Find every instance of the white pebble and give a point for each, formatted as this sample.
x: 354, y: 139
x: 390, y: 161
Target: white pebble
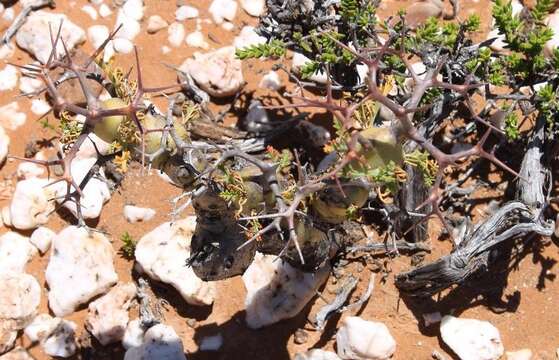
x: 471, y: 339
x: 129, y: 28
x: 271, y: 80
x: 316, y: 354
x: 223, y: 10
x: 123, y: 46
x: 134, y: 9
x: 4, y: 145
x: 156, y: 23
x: 254, y: 7
x: 186, y: 12
x: 7, y: 51
x: 248, y: 37
x: 31, y: 203
x: 135, y: 214
x: 524, y: 354
x: 15, y: 252
x: 165, y: 49
x: 10, y: 116
x: 105, y: 10
x: 41, y: 238
x: 176, y: 34
x: 133, y: 335
x: 97, y: 34
x: 9, y: 14
x: 90, y: 10
x: 27, y: 170
x: 228, y: 26
x: 196, y: 39
x: 29, y: 85
x: 39, y: 107
x: 160, y: 342
x: 8, y: 78
x: 360, y: 339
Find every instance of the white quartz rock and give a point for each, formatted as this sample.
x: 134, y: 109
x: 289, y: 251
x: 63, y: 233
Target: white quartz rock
x: 108, y: 315
x: 156, y: 23
x: 277, y: 291
x: 552, y: 22
x: 29, y: 85
x: 133, y: 335
x: 6, y: 217
x: 176, y: 34
x: 254, y: 7
x: 31, y: 203
x: 299, y: 60
x: 160, y: 342
x: 80, y: 268
x: 271, y: 80
x: 134, y: 9
x: 196, y: 39
x: 97, y: 34
x: 471, y: 339
x: 95, y: 193
x: 8, y: 78
x: 7, y: 51
x: 219, y: 73
x: 56, y: 335
x: 61, y: 342
x: 162, y: 254
x: 223, y: 10
x: 524, y: 354
x: 4, y: 145
x: 16, y: 354
x: 105, y: 10
x: 20, y: 295
x: 90, y: 10
x: 123, y: 46
x: 41, y: 238
x: 135, y: 214
x: 10, y: 116
x: 186, y: 12
x: 317, y: 354
x: 34, y: 35
x: 364, y: 340
x: 15, y: 252
x: 39, y: 107
x: 248, y: 37
x: 129, y: 27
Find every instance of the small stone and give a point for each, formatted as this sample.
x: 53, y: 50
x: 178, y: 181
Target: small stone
x: 223, y: 10
x: 196, y: 39
x: 39, y: 107
x: 299, y: 60
x: 80, y: 268
x: 134, y: 9
x: 61, y: 342
x: 105, y: 10
x: 277, y: 291
x: 176, y: 34
x: 162, y: 254
x: 191, y: 323
x: 228, y: 26
x: 219, y: 73
x: 90, y: 10
x: 7, y: 340
x: 10, y: 116
x: 20, y: 295
x: 135, y: 214
x: 156, y: 23
x: 317, y: 354
x: 8, y: 78
x: 211, y: 343
x: 123, y: 46
x: 9, y: 15
x: 301, y: 336
x: 94, y: 195
x: 248, y: 37
x: 17, y: 354
x: 129, y: 27
x: 41, y: 327
x: 6, y: 217
x: 552, y: 22
x: 15, y: 252
x: 165, y: 49
x: 6, y: 51
x: 29, y: 85
x: 186, y: 12
x: 159, y: 342
x: 360, y: 339
x: 524, y: 354
x: 31, y: 203
x: 271, y: 80
x: 41, y: 238
x: 133, y: 335
x: 254, y: 7
x: 97, y: 34
x: 4, y: 145
x: 108, y: 315
x: 471, y: 339
x: 34, y: 35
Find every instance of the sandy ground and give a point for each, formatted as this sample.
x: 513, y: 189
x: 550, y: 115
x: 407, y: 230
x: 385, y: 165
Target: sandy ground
x: 528, y: 317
